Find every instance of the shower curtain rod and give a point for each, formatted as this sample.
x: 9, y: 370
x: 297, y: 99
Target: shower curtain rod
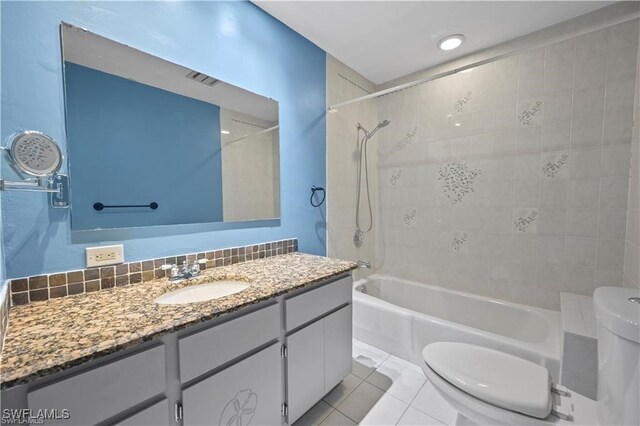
x: 626, y: 18
x: 270, y: 129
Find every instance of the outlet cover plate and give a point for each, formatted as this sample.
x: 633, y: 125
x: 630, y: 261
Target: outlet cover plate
x: 104, y: 255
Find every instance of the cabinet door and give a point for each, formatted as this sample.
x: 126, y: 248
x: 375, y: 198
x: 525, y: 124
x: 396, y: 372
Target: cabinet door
x: 305, y: 369
x: 337, y: 347
x: 157, y: 415
x: 247, y: 392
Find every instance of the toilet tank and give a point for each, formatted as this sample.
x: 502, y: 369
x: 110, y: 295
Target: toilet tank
x: 618, y: 318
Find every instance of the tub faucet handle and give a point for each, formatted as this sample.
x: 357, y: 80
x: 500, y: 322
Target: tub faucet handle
x: 363, y: 264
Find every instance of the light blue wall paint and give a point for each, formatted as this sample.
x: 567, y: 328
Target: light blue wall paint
x: 234, y: 41
x: 2, y: 258
x: 133, y: 144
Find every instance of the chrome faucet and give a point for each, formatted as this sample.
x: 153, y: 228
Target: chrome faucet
x: 363, y: 264
x: 184, y: 271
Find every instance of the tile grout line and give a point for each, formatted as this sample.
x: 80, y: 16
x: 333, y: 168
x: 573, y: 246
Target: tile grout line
x: 360, y: 384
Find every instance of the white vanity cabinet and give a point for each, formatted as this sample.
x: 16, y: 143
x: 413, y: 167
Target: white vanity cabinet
x: 305, y: 369
x: 249, y: 392
x: 319, y: 351
x: 337, y: 347
x: 265, y: 364
x: 156, y: 415
x: 97, y: 394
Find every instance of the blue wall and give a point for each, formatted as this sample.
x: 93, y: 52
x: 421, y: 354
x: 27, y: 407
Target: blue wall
x: 132, y: 144
x: 2, y: 258
x: 234, y: 41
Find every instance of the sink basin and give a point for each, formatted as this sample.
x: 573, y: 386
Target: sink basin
x: 202, y: 292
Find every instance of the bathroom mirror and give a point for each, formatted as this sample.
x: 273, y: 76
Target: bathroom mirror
x: 151, y: 142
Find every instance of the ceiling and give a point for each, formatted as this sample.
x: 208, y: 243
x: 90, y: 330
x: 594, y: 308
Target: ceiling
x: 384, y: 40
x: 93, y: 51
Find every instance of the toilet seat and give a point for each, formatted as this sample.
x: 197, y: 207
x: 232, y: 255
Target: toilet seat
x: 580, y: 410
x: 492, y: 376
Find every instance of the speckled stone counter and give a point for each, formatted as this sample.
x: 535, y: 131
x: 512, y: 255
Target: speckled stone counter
x: 45, y: 337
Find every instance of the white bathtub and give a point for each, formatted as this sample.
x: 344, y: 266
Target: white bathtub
x: 402, y: 317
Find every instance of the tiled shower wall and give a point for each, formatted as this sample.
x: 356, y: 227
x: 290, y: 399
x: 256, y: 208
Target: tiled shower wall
x: 511, y: 180
x: 342, y: 155
x: 632, y: 241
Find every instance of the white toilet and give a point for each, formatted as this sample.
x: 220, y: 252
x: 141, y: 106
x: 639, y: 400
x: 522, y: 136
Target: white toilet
x: 490, y: 387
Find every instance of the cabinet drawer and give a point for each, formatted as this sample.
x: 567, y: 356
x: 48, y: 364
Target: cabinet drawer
x: 103, y: 392
x: 249, y: 392
x: 314, y: 303
x: 208, y: 349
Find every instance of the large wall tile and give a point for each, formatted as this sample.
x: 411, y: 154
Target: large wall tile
x: 529, y: 194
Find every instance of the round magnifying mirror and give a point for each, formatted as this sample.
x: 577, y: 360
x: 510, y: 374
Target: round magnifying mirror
x: 35, y: 153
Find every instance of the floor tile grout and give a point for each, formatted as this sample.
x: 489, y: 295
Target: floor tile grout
x: 350, y: 393
x: 385, y: 393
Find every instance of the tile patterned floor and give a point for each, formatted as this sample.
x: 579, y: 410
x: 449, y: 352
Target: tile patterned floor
x: 381, y: 390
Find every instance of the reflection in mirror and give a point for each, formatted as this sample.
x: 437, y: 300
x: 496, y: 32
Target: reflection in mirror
x: 154, y: 143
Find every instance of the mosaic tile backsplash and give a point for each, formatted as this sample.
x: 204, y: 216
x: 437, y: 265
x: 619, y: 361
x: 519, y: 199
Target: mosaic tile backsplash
x: 515, y: 184
x: 44, y: 287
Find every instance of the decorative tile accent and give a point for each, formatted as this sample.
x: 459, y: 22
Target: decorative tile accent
x: 458, y: 242
x: 409, y: 217
x: 458, y: 180
x: 23, y: 291
x: 552, y: 168
x: 407, y: 139
x: 526, y: 116
x: 461, y: 103
x: 523, y: 222
x: 394, y: 179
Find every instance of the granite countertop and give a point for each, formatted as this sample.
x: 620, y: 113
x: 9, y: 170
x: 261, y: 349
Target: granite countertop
x: 45, y: 337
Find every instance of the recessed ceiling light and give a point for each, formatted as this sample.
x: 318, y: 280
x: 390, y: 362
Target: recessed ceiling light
x: 451, y: 42
x: 225, y: 132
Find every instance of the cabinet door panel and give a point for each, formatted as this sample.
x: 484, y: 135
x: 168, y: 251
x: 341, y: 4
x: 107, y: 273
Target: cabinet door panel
x: 247, y: 392
x: 337, y: 347
x: 305, y: 369
x: 157, y: 415
x: 95, y: 395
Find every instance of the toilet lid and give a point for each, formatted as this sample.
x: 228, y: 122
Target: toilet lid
x: 492, y: 376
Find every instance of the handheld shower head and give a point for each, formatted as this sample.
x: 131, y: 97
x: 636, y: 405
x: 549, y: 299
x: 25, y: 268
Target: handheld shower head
x: 380, y: 125
x: 358, y: 237
x: 369, y: 134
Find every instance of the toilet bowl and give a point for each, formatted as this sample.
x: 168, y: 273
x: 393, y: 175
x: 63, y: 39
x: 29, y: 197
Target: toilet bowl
x: 490, y: 387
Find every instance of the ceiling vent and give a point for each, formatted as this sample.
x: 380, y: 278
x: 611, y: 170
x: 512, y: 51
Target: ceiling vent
x: 202, y: 78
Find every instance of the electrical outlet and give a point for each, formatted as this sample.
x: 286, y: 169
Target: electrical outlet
x: 105, y: 255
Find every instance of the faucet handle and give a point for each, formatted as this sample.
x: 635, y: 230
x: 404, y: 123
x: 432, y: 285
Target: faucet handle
x: 195, y: 266
x: 173, y: 270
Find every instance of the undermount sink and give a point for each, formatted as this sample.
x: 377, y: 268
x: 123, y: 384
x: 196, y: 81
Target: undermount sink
x: 202, y: 292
